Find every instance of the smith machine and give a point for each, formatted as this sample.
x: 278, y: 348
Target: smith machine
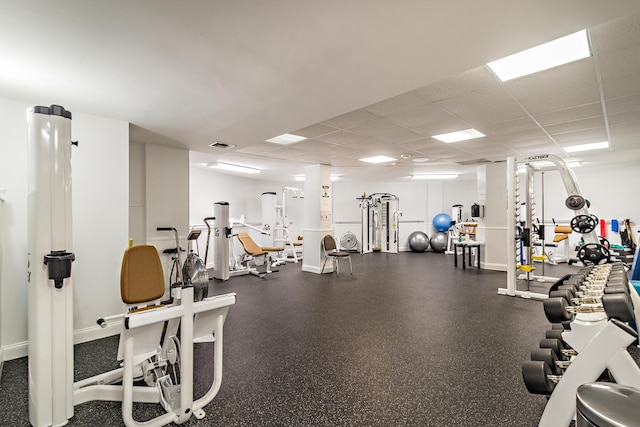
x: 522, y: 232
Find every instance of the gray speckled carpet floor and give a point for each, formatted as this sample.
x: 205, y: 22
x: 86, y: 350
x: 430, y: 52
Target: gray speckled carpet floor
x: 408, y: 340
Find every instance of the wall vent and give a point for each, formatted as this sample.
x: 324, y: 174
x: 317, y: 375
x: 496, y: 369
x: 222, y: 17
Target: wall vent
x: 475, y: 162
x: 222, y: 145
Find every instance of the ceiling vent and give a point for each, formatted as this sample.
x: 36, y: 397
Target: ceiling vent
x: 474, y: 162
x: 222, y: 145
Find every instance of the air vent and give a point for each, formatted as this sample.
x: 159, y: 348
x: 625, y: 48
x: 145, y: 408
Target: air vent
x: 474, y: 162
x: 222, y: 145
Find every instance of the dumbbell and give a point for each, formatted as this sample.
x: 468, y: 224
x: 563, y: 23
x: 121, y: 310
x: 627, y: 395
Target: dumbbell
x: 550, y: 358
x: 616, y: 305
x: 538, y: 377
x: 558, y: 346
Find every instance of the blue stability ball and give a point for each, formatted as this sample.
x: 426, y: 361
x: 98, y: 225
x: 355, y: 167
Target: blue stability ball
x: 441, y: 222
x: 418, y: 241
x: 439, y: 241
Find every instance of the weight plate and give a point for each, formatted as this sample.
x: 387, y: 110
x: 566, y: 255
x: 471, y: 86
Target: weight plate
x: 574, y: 202
x: 556, y: 310
x: 535, y: 374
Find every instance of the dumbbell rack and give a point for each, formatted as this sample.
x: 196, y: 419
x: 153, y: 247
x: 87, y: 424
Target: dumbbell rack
x: 594, y: 342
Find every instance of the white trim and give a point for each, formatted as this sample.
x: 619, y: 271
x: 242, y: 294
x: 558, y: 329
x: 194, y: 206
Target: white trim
x: 20, y: 349
x: 493, y: 266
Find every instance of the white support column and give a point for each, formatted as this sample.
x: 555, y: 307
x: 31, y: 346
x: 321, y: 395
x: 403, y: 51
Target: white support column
x: 318, y: 214
x: 50, y: 304
x: 269, y: 203
x: 221, y: 241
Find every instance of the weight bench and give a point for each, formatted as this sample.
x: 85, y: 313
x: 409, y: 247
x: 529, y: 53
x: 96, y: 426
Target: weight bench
x: 149, y: 345
x: 260, y: 254
x: 561, y: 234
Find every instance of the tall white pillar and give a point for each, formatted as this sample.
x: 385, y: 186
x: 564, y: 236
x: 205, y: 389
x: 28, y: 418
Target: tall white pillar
x: 269, y: 219
x: 50, y: 290
x: 318, y: 215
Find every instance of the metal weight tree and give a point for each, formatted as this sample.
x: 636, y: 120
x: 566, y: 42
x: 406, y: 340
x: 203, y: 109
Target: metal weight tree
x: 520, y: 238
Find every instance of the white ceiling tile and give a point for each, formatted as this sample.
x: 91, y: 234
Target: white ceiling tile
x: 576, y: 125
x: 386, y: 130
x: 469, y: 81
x: 625, y: 135
x: 581, y: 137
x: 616, y: 34
x: 427, y: 120
x: 544, y: 100
x: 623, y: 86
x: 258, y: 148
x: 314, y: 130
x: 480, y: 99
x: 340, y: 137
x: 500, y: 128
x: 351, y: 119
x: 624, y: 117
x: 521, y: 136
x: 494, y: 114
x: 406, y: 101
x: 620, y: 63
x: 623, y: 104
x: 569, y: 114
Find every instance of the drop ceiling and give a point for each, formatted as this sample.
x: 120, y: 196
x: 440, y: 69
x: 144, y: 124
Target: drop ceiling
x: 357, y: 78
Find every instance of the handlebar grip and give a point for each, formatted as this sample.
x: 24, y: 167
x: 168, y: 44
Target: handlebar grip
x: 209, y: 218
x: 165, y: 229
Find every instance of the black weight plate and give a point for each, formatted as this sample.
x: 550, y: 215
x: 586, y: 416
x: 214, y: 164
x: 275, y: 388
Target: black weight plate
x: 618, y: 306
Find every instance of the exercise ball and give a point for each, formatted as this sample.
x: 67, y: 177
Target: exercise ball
x: 439, y: 241
x: 418, y: 241
x: 441, y: 222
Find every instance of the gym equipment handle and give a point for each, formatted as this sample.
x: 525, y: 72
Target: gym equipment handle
x: 166, y: 229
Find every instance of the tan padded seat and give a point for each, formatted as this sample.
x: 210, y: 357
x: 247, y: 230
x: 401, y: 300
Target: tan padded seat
x: 253, y: 249
x: 562, y: 233
x: 141, y: 275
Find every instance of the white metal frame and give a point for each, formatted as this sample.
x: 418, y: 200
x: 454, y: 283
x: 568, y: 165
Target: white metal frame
x: 513, y: 201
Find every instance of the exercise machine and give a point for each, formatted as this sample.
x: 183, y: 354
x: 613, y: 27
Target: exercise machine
x: 276, y: 221
x: 52, y: 392
x: 380, y: 223
x: 520, y: 234
x: 225, y: 262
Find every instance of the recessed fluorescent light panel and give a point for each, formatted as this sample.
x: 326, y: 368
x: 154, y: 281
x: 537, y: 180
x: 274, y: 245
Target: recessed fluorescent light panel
x: 435, y: 176
x: 461, y: 135
x: 233, y: 168
x: 286, y: 139
x: 301, y: 177
x: 378, y: 159
x: 587, y: 147
x: 542, y: 57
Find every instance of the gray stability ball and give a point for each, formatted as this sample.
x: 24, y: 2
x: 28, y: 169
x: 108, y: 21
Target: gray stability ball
x: 418, y: 241
x: 439, y: 241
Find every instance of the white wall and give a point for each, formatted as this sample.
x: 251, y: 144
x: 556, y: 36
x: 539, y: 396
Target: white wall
x: 100, y: 221
x: 419, y: 202
x: 609, y: 189
x: 244, y: 196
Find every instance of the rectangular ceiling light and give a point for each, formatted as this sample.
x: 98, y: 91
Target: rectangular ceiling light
x: 587, y: 147
x: 233, y: 168
x: 286, y: 139
x: 378, y: 159
x: 301, y: 177
x: 461, y: 135
x: 435, y: 176
x: 542, y: 57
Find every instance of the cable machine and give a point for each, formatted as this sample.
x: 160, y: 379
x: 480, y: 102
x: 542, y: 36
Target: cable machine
x: 380, y: 223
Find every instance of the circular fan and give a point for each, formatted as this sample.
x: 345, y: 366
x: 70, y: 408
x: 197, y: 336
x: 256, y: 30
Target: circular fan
x: 348, y: 241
